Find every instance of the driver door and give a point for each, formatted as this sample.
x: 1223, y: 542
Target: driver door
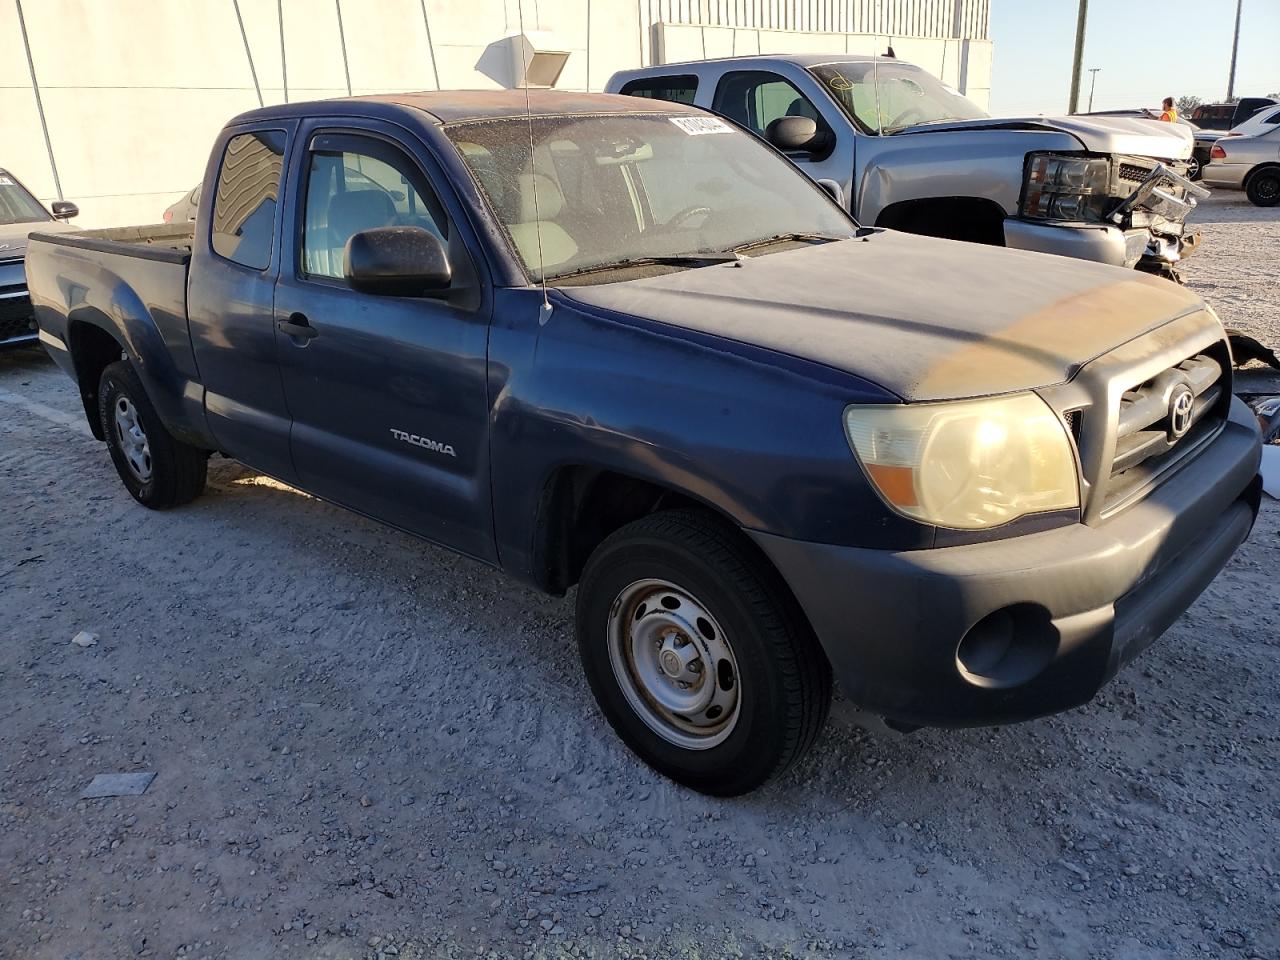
x: 387, y: 394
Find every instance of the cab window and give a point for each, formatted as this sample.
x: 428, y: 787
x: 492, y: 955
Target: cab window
x: 681, y: 89
x: 358, y: 183
x: 756, y: 98
x: 244, y: 205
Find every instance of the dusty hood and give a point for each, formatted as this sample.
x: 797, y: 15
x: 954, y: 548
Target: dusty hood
x: 13, y: 236
x: 926, y: 319
x: 1136, y: 136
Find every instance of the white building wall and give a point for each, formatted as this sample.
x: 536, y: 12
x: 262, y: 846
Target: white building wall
x: 134, y: 91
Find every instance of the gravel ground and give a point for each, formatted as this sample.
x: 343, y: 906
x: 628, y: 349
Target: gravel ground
x: 368, y: 747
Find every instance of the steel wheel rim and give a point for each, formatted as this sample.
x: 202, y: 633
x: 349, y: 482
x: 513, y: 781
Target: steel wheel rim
x: 674, y: 664
x: 1268, y: 187
x: 133, y: 439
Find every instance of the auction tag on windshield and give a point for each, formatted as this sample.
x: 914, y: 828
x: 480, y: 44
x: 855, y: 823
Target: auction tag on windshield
x: 5, y: 182
x: 697, y: 126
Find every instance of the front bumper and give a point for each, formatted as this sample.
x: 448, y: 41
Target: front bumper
x: 917, y: 636
x: 1100, y: 242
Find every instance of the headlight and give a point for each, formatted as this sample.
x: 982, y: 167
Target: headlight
x: 968, y: 464
x: 1065, y: 187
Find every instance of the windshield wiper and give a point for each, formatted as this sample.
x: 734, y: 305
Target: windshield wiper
x: 682, y: 260
x: 787, y: 238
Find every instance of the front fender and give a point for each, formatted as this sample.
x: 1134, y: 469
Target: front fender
x: 981, y: 164
x: 755, y: 435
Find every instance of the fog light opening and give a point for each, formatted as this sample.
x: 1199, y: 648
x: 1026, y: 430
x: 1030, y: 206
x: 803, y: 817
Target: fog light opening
x: 1008, y: 647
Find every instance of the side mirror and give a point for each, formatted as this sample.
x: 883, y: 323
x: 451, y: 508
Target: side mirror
x: 64, y: 210
x: 833, y: 190
x: 397, y: 262
x: 796, y: 135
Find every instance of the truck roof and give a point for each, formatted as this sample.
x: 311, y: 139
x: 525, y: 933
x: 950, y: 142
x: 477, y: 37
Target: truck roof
x: 453, y: 106
x: 804, y: 59
x: 800, y: 59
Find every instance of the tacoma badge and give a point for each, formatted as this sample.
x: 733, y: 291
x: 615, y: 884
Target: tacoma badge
x: 425, y: 442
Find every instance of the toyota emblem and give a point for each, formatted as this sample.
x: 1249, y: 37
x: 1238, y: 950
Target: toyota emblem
x: 1180, y: 404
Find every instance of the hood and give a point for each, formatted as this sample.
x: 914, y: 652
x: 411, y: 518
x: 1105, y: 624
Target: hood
x: 1135, y: 136
x: 926, y: 319
x: 13, y: 236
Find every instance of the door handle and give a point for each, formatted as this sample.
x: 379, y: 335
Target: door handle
x: 298, y: 327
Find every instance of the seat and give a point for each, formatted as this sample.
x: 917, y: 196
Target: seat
x: 800, y: 107
x: 538, y: 223
x: 354, y: 210
x: 350, y: 212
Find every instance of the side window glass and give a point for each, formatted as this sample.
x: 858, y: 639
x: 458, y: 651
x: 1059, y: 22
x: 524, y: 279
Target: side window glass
x: 682, y: 89
x: 244, y: 206
x: 357, y: 186
x: 756, y: 98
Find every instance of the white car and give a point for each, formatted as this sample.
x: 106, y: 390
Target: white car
x: 1264, y: 121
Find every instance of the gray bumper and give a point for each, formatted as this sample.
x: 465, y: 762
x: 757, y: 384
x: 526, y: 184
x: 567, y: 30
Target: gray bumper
x: 1099, y: 242
x: 1018, y: 628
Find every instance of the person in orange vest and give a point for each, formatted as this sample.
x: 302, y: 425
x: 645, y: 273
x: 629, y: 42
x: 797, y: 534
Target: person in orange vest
x: 1170, y: 114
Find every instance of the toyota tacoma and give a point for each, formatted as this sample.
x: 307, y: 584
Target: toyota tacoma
x: 624, y: 345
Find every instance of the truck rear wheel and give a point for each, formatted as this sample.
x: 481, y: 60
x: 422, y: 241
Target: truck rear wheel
x: 157, y: 468
x: 698, y: 657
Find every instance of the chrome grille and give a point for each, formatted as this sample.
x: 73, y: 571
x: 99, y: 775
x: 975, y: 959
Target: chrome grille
x: 1135, y: 174
x: 16, y: 317
x: 1147, y: 442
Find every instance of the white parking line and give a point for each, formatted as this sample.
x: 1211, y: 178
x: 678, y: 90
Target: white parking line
x: 76, y: 424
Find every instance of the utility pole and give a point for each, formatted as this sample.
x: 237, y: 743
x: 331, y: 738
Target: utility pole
x: 1093, y: 80
x: 1081, y: 17
x: 1235, y: 45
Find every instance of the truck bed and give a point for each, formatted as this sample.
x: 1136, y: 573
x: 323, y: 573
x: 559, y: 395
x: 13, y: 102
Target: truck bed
x: 130, y: 282
x: 170, y: 243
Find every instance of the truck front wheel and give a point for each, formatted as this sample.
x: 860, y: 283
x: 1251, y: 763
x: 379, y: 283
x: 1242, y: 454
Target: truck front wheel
x: 158, y: 469
x: 697, y: 655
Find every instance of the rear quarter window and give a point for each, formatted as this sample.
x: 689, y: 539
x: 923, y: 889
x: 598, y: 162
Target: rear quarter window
x: 244, y: 205
x: 680, y: 89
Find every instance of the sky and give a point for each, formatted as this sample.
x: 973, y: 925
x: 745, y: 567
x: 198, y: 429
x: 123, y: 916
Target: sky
x: 1145, y: 51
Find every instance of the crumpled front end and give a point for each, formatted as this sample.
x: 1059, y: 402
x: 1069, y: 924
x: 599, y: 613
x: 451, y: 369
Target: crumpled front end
x: 1128, y: 211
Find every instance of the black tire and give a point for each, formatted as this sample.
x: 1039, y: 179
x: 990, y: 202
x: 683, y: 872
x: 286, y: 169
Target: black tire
x: 783, y: 678
x: 1263, y: 187
x: 1195, y: 168
x: 177, y: 470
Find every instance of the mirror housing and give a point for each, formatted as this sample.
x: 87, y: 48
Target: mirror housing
x: 796, y: 135
x: 833, y: 190
x: 397, y: 262
x: 64, y: 210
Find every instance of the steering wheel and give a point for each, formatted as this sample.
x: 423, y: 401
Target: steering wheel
x: 688, y: 213
x: 896, y: 122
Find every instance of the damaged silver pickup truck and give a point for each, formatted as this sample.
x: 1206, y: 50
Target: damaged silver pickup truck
x: 900, y: 149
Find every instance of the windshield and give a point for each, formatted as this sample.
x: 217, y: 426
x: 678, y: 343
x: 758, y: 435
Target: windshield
x: 907, y: 95
x: 16, y: 205
x: 603, y: 191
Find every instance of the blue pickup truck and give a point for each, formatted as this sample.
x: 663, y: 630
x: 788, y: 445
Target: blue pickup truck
x: 624, y: 345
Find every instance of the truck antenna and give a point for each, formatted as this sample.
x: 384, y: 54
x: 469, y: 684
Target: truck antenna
x: 545, y: 314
